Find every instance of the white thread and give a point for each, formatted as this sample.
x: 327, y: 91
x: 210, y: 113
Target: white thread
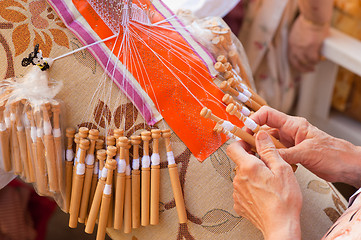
x: 135, y: 164
x: 84, y: 47
x: 117, y: 157
x: 99, y: 174
x: 33, y: 134
x: 128, y: 170
x: 107, y: 189
x: 229, y: 134
x: 245, y: 111
x: 145, y: 161
x: 241, y: 97
x: 80, y: 168
x: 247, y: 93
x: 57, y: 132
x: 12, y: 117
x: 244, y: 86
x: 96, y: 168
x: 170, y: 158
x: 89, y: 160
x: 77, y: 156
x: 250, y: 124
x: 236, y: 138
x: 2, y: 127
x: 227, y: 125
x: 20, y: 128
x: 104, y: 172
x: 69, y: 155
x: 26, y: 121
x: 155, y: 159
x: 47, y: 128
x: 39, y: 132
x: 7, y: 122
x: 121, y: 166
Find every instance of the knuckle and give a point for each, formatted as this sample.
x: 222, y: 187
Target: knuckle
x: 283, y: 167
x: 267, y: 151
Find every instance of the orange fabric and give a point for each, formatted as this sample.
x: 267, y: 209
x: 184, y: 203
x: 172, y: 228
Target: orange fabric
x: 147, y: 59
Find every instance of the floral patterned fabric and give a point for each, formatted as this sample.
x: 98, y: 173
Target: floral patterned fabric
x: 207, y: 186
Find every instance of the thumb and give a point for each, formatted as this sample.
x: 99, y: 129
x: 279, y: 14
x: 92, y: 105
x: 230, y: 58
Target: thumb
x: 291, y: 155
x: 267, y: 150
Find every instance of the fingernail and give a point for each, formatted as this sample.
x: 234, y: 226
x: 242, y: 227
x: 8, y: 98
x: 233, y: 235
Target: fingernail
x: 262, y: 136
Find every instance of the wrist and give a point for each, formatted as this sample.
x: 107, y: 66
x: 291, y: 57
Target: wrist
x: 291, y: 230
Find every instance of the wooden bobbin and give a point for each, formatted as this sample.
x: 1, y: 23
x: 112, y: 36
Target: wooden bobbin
x: 145, y: 181
x: 227, y: 99
x: 225, y: 44
x: 23, y: 147
x: 83, y: 132
x: 89, y: 167
x: 228, y: 74
x: 30, y: 155
x: 234, y: 83
x: 128, y: 193
x: 99, y: 144
x: 78, y: 182
x: 106, y: 199
x: 135, y: 140
x: 155, y: 179
x: 4, y: 142
x: 249, y: 102
x: 110, y: 140
x: 219, y: 67
x: 227, y: 66
x: 120, y: 185
x: 227, y: 34
x: 50, y: 156
x: 95, y: 203
x: 233, y: 110
x: 56, y: 110
x: 15, y: 149
x: 42, y: 180
x: 248, y: 138
x: 216, y: 41
x: 70, y: 132
x: 118, y: 133
x: 174, y: 178
x: 236, y: 61
x: 222, y: 59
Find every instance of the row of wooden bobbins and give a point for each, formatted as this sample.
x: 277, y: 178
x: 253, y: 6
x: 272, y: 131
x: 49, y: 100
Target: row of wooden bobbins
x: 31, y: 144
x: 126, y: 198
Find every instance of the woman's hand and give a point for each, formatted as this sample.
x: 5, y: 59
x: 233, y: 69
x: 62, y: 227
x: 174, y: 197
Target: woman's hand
x: 265, y: 190
x: 304, y: 44
x: 330, y: 158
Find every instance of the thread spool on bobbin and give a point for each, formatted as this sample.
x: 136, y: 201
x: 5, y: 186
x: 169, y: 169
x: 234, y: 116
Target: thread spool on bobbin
x: 155, y: 178
x: 70, y: 132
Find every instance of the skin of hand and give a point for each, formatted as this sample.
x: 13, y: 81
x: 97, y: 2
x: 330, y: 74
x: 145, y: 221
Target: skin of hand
x: 265, y: 190
x: 330, y: 158
x: 304, y: 44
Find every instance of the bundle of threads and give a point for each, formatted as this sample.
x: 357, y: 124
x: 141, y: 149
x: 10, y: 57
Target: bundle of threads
x: 104, y: 185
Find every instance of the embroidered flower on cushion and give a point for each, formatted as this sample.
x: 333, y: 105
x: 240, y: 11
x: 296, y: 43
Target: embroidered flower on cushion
x: 34, y: 23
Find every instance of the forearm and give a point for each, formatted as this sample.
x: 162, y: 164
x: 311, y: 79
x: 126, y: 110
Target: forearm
x: 318, y: 12
x: 351, y: 155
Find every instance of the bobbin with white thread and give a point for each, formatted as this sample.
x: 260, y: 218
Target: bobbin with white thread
x: 40, y: 157
x: 227, y: 99
x: 106, y: 199
x: 20, y: 132
x: 95, y: 203
x: 89, y: 166
x: 69, y: 133
x: 145, y: 179
x: 15, y: 149
x: 78, y: 182
x: 128, y: 193
x: 57, y: 133
x: 243, y: 88
x: 4, y: 142
x: 236, y: 61
x: 99, y: 144
x: 174, y: 179
x: 50, y: 156
x: 29, y: 153
x: 135, y: 140
x: 111, y: 141
x: 120, y: 184
x: 155, y: 178
x: 239, y: 96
